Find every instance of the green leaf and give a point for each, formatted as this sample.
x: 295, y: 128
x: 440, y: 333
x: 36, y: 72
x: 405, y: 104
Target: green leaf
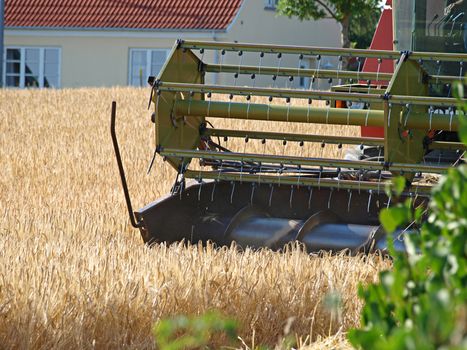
x: 392, y: 218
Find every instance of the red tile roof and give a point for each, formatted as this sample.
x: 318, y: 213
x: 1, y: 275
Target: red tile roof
x: 133, y: 14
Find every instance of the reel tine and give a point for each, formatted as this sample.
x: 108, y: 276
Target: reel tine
x: 253, y: 185
x: 369, y: 201
x: 270, y: 194
x: 330, y: 196
x: 232, y: 192
x: 309, y: 196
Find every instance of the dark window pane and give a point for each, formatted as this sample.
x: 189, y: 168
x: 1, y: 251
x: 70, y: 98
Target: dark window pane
x: 12, y: 68
x: 31, y: 81
x: 51, y: 81
x: 12, y: 80
x: 13, y: 54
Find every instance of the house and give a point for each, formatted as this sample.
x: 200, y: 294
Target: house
x: 64, y: 43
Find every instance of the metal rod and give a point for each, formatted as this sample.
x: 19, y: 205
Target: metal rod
x: 446, y: 145
x: 134, y: 222
x: 279, y: 113
x: 346, y: 140
x: 309, y: 50
x: 303, y: 181
x: 302, y: 94
x: 293, y: 160
x: 338, y: 116
x: 262, y: 91
x: 283, y: 71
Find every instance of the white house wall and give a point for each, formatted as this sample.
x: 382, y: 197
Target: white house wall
x: 101, y: 58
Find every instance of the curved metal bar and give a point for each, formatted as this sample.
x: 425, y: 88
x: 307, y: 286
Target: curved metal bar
x: 134, y: 222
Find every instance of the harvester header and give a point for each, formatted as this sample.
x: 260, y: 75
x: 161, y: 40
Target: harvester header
x: 269, y: 198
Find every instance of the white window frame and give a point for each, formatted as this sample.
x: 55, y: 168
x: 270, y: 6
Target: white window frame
x: 22, y: 73
x: 148, y: 59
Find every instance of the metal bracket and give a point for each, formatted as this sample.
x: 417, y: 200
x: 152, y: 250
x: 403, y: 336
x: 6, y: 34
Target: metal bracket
x: 134, y: 222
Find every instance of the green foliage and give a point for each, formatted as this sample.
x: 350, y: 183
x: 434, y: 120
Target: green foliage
x: 358, y: 18
x: 184, y: 332
x: 422, y: 302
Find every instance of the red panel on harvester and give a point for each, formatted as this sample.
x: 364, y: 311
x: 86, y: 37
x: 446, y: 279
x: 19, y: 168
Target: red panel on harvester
x: 382, y: 40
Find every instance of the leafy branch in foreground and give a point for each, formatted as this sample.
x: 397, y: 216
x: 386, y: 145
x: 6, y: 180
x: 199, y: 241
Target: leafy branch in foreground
x: 421, y: 303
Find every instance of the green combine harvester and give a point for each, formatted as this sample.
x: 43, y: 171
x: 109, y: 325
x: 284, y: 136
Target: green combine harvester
x: 267, y: 200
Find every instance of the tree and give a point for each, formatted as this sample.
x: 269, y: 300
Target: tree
x: 357, y: 17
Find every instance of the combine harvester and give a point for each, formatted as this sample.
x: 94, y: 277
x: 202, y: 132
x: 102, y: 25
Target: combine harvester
x: 266, y: 200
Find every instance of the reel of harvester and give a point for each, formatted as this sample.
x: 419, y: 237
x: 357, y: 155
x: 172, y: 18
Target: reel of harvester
x: 270, y: 198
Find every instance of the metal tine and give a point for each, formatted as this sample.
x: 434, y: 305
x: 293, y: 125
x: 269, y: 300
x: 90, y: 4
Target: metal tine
x: 300, y: 59
x: 319, y: 176
x: 301, y: 144
x: 349, y: 201
x: 349, y: 104
x: 216, y: 182
x: 209, y: 94
x: 263, y: 141
x: 438, y: 63
x: 420, y: 76
x: 310, y: 101
x: 248, y: 98
x: 360, y: 176
x: 240, y: 62
x: 287, y: 100
x: 213, y: 190
x: 230, y: 103
x: 274, y: 77
x: 328, y: 103
x: 359, y: 60
x: 309, y: 196
x: 339, y: 67
x: 329, y: 199
x: 201, y: 51
x: 318, y: 58
x: 200, y: 180
x: 367, y: 110
x: 270, y: 194
x: 323, y: 144
x: 261, y: 56
x: 222, y: 60
x: 369, y: 200
x: 389, y: 202
x: 451, y: 113
x: 253, y: 186
x: 377, y: 71
x: 379, y: 180
x: 232, y: 192
x: 152, y: 161
x: 339, y: 173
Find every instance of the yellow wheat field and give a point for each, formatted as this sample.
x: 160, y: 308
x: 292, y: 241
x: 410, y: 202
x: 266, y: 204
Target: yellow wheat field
x: 74, y: 274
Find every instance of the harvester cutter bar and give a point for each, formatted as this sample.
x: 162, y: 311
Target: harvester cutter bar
x: 324, y: 162
x: 303, y: 181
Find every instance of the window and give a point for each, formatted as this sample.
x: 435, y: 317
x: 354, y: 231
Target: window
x: 32, y: 67
x: 145, y: 62
x: 270, y: 4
